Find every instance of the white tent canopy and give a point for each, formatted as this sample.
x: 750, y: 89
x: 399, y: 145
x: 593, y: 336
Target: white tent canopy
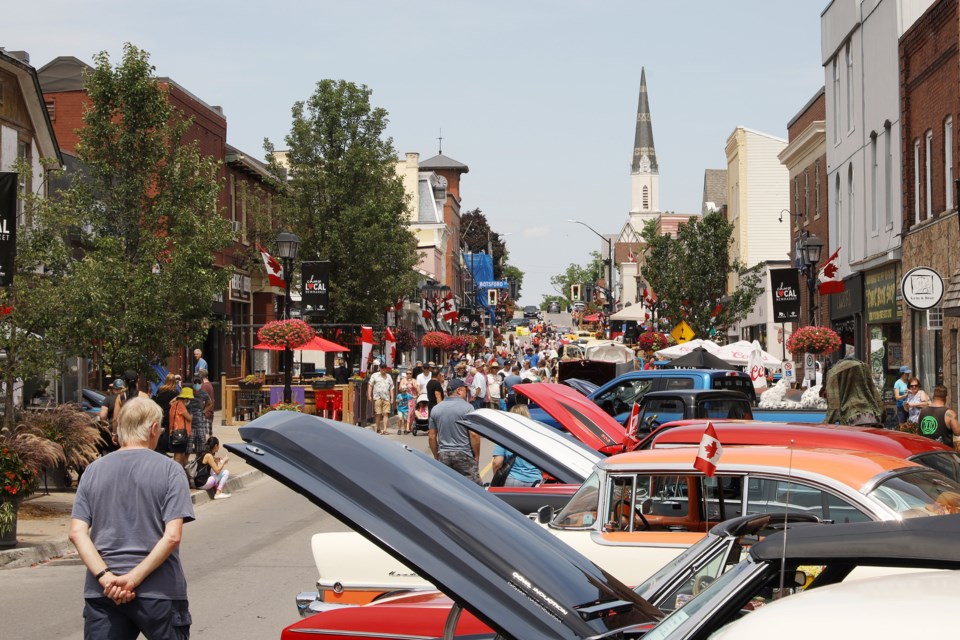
x: 739, y: 353
x: 634, y: 312
x: 677, y: 350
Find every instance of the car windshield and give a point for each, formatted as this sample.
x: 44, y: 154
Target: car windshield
x: 919, y: 494
x: 581, y: 511
x: 946, y: 462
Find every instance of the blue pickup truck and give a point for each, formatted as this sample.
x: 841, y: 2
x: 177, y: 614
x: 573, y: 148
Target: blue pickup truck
x: 617, y: 396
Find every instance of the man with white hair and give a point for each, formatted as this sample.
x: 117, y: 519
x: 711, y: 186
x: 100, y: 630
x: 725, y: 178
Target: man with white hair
x: 127, y: 524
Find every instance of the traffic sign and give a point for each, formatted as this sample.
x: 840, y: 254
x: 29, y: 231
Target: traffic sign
x: 789, y: 371
x: 493, y: 284
x: 809, y: 366
x: 682, y: 333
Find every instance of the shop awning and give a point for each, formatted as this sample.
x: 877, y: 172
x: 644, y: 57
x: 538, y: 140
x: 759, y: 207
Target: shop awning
x: 951, y: 298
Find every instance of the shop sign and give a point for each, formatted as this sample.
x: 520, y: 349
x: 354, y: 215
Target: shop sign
x: 240, y: 288
x: 922, y: 288
x: 848, y: 302
x: 880, y: 295
x: 314, y: 291
x: 786, y: 294
x: 8, y: 226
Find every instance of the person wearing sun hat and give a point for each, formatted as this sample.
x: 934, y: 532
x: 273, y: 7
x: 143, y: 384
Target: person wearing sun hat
x: 900, y: 394
x: 181, y: 418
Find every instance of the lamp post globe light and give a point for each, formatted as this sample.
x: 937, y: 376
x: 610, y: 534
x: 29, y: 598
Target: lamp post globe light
x: 609, y: 261
x: 288, y: 245
x: 811, y: 248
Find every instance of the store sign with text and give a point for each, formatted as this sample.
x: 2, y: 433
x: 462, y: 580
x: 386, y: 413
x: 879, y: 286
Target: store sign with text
x: 785, y: 284
x: 8, y: 226
x: 880, y: 295
x: 316, y: 281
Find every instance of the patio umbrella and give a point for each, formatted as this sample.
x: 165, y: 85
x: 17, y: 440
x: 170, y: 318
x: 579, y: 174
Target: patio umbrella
x: 738, y: 353
x: 699, y: 358
x: 316, y: 344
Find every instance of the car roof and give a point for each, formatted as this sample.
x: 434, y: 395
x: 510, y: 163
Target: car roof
x: 852, y: 468
x: 698, y: 394
x: 500, y: 565
x: 914, y: 542
x: 754, y: 432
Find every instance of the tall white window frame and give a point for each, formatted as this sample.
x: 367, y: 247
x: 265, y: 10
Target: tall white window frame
x: 836, y: 99
x: 816, y: 183
x: 928, y: 172
x: 838, y: 205
x: 850, y: 194
x: 796, y: 201
x: 916, y: 180
x: 874, y: 184
x: 948, y: 163
x: 848, y: 55
x: 806, y: 196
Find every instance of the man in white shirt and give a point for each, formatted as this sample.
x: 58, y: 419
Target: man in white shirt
x: 478, y: 388
x: 424, y: 377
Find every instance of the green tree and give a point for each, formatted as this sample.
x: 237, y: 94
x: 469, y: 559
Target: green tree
x: 143, y: 212
x: 345, y: 201
x: 689, y: 275
x: 576, y: 274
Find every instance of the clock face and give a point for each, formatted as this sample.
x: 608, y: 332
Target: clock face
x: 644, y: 163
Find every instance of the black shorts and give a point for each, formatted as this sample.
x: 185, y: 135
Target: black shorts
x: 156, y: 619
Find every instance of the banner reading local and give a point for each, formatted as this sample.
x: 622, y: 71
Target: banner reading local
x: 316, y: 279
x: 8, y: 226
x: 785, y: 284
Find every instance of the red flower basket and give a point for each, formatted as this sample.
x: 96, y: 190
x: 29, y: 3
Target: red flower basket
x: 813, y: 340
x: 436, y: 340
x: 653, y: 341
x: 286, y: 333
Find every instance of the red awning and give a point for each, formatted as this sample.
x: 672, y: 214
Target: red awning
x: 317, y: 344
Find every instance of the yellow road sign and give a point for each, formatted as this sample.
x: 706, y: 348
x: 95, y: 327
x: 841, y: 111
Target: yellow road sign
x: 682, y: 333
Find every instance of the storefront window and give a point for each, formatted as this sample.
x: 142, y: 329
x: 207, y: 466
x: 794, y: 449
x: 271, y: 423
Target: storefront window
x: 928, y: 350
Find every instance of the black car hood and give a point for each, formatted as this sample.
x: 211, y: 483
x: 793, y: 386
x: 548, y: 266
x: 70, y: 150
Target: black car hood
x: 504, y: 568
x: 550, y: 450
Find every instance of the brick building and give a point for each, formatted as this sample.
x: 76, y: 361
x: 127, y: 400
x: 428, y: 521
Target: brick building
x: 929, y: 98
x: 248, y: 301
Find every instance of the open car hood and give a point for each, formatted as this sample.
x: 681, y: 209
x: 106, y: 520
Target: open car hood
x: 501, y: 566
x: 546, y: 448
x: 577, y: 414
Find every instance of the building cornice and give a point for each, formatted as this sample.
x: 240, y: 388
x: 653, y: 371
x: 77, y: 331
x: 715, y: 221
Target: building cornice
x: 811, y: 141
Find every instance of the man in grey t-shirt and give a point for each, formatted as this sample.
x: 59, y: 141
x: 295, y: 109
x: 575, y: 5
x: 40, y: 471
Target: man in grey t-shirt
x: 127, y: 524
x: 451, y: 443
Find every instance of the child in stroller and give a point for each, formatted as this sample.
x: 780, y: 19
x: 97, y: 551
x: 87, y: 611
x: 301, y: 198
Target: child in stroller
x: 421, y: 414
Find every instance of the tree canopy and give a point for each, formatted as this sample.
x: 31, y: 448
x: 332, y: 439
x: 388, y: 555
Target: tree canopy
x: 133, y: 239
x: 345, y: 201
x: 575, y: 274
x: 688, y: 275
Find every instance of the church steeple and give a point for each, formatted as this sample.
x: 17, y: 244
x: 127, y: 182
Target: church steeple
x: 643, y: 141
x: 644, y: 170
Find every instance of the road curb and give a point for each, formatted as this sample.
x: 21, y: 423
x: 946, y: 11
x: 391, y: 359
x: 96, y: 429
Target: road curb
x: 27, y: 556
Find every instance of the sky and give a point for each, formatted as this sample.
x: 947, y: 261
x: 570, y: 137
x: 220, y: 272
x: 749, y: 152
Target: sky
x: 537, y: 97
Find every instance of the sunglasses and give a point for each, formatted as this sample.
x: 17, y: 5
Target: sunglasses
x: 914, y: 386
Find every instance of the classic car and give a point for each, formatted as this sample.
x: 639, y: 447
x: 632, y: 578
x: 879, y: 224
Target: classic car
x: 810, y: 558
x: 752, y: 432
x: 898, y: 606
x: 449, y: 530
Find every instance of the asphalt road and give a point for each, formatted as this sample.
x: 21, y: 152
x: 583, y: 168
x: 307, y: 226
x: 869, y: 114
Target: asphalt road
x: 245, y: 558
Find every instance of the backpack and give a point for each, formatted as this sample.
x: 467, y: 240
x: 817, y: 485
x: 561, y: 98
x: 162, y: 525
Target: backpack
x: 191, y: 469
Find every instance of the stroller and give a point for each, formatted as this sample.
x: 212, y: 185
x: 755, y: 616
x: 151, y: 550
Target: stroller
x: 421, y: 414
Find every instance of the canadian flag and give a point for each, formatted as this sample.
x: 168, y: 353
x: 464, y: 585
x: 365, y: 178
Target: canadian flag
x: 829, y: 276
x: 449, y: 312
x: 633, y: 422
x: 390, y: 347
x: 366, y: 346
x: 631, y: 257
x: 710, y: 451
x: 274, y: 270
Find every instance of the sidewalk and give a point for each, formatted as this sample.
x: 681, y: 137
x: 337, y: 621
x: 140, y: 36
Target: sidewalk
x: 43, y: 524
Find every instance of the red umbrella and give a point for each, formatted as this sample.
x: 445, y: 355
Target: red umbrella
x: 317, y: 344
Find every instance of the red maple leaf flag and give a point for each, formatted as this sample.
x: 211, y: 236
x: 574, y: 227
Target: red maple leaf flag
x: 630, y: 256
x: 633, y: 423
x: 366, y: 347
x: 709, y: 453
x: 274, y: 269
x: 829, y: 276
x: 390, y: 347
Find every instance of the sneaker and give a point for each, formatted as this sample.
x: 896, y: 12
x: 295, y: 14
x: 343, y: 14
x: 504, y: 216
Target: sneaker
x: 222, y: 496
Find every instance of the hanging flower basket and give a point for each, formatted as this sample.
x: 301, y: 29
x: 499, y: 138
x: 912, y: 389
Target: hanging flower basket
x: 653, y: 341
x: 286, y: 333
x: 458, y: 343
x: 813, y: 340
x: 436, y: 340
x: 406, y: 340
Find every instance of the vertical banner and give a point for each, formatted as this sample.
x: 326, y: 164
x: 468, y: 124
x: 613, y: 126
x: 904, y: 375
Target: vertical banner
x: 8, y: 226
x: 785, y: 284
x: 316, y: 278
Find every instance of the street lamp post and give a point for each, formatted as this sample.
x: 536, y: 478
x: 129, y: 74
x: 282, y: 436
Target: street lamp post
x: 609, y: 262
x: 288, y: 245
x: 811, y: 246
